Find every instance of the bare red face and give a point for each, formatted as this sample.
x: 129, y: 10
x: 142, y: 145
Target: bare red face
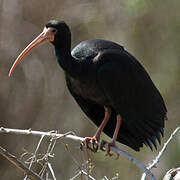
x: 48, y: 34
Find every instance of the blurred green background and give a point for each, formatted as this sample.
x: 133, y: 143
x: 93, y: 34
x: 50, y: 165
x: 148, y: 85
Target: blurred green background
x: 36, y: 96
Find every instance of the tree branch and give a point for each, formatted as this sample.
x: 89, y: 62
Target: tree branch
x: 19, y: 164
x: 34, y: 155
x: 156, y: 160
x: 71, y: 135
x: 172, y: 174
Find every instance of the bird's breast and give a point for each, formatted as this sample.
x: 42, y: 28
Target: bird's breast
x: 87, y: 89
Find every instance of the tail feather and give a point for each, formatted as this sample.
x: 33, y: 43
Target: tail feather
x: 149, y: 143
x: 153, y: 140
x: 158, y: 136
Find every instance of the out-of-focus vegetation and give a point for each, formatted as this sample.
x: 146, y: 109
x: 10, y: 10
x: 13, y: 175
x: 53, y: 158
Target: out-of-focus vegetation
x: 36, y: 96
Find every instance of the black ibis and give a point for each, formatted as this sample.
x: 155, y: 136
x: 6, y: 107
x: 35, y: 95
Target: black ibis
x: 110, y: 85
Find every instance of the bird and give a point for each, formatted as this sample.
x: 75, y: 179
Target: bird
x: 110, y: 85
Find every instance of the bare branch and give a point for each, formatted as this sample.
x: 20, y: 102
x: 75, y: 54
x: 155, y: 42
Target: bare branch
x: 80, y: 173
x: 53, y: 134
x: 19, y: 164
x: 156, y: 160
x: 34, y: 156
x: 51, y: 170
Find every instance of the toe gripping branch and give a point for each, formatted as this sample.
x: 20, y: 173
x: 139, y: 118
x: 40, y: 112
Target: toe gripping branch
x: 106, y: 146
x: 91, y: 143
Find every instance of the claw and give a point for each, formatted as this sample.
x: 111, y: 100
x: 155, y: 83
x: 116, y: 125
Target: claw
x: 108, y: 148
x: 94, y: 147
x: 117, y: 156
x: 102, y: 145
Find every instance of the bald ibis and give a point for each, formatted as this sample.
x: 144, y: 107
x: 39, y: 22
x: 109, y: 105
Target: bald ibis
x: 110, y: 85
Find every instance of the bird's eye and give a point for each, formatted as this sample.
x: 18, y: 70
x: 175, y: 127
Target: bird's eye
x: 54, y: 30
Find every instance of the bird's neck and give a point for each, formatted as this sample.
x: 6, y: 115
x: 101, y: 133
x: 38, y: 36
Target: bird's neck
x: 68, y: 63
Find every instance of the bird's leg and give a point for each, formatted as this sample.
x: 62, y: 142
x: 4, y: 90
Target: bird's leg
x: 96, y: 137
x: 113, y: 142
x: 103, y: 124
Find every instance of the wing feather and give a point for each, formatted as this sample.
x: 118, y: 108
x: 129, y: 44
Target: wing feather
x: 132, y: 94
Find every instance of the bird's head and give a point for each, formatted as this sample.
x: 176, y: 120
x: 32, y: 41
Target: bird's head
x: 60, y: 34
x: 57, y: 32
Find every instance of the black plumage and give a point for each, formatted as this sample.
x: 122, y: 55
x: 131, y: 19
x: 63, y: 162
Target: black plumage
x: 102, y: 73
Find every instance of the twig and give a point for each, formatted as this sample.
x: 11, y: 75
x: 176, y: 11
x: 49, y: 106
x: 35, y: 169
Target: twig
x: 51, y: 170
x: 35, y: 153
x: 156, y: 160
x: 80, y: 173
x: 19, y: 164
x: 105, y: 178
x: 87, y: 161
x: 84, y: 160
x: 47, y: 164
x: 86, y: 174
x: 41, y: 173
x: 49, y: 154
x: 77, y: 175
x: 80, y: 139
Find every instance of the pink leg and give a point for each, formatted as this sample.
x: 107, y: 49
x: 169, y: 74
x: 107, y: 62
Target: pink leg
x: 103, y: 124
x: 96, y: 137
x: 113, y: 142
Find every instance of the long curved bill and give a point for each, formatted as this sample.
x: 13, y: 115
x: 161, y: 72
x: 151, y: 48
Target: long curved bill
x: 46, y: 35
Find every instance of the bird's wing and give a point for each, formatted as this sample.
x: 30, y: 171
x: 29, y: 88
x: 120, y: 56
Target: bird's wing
x: 96, y: 113
x: 132, y: 94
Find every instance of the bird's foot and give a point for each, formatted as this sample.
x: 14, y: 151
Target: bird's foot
x: 108, y: 148
x: 94, y: 146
